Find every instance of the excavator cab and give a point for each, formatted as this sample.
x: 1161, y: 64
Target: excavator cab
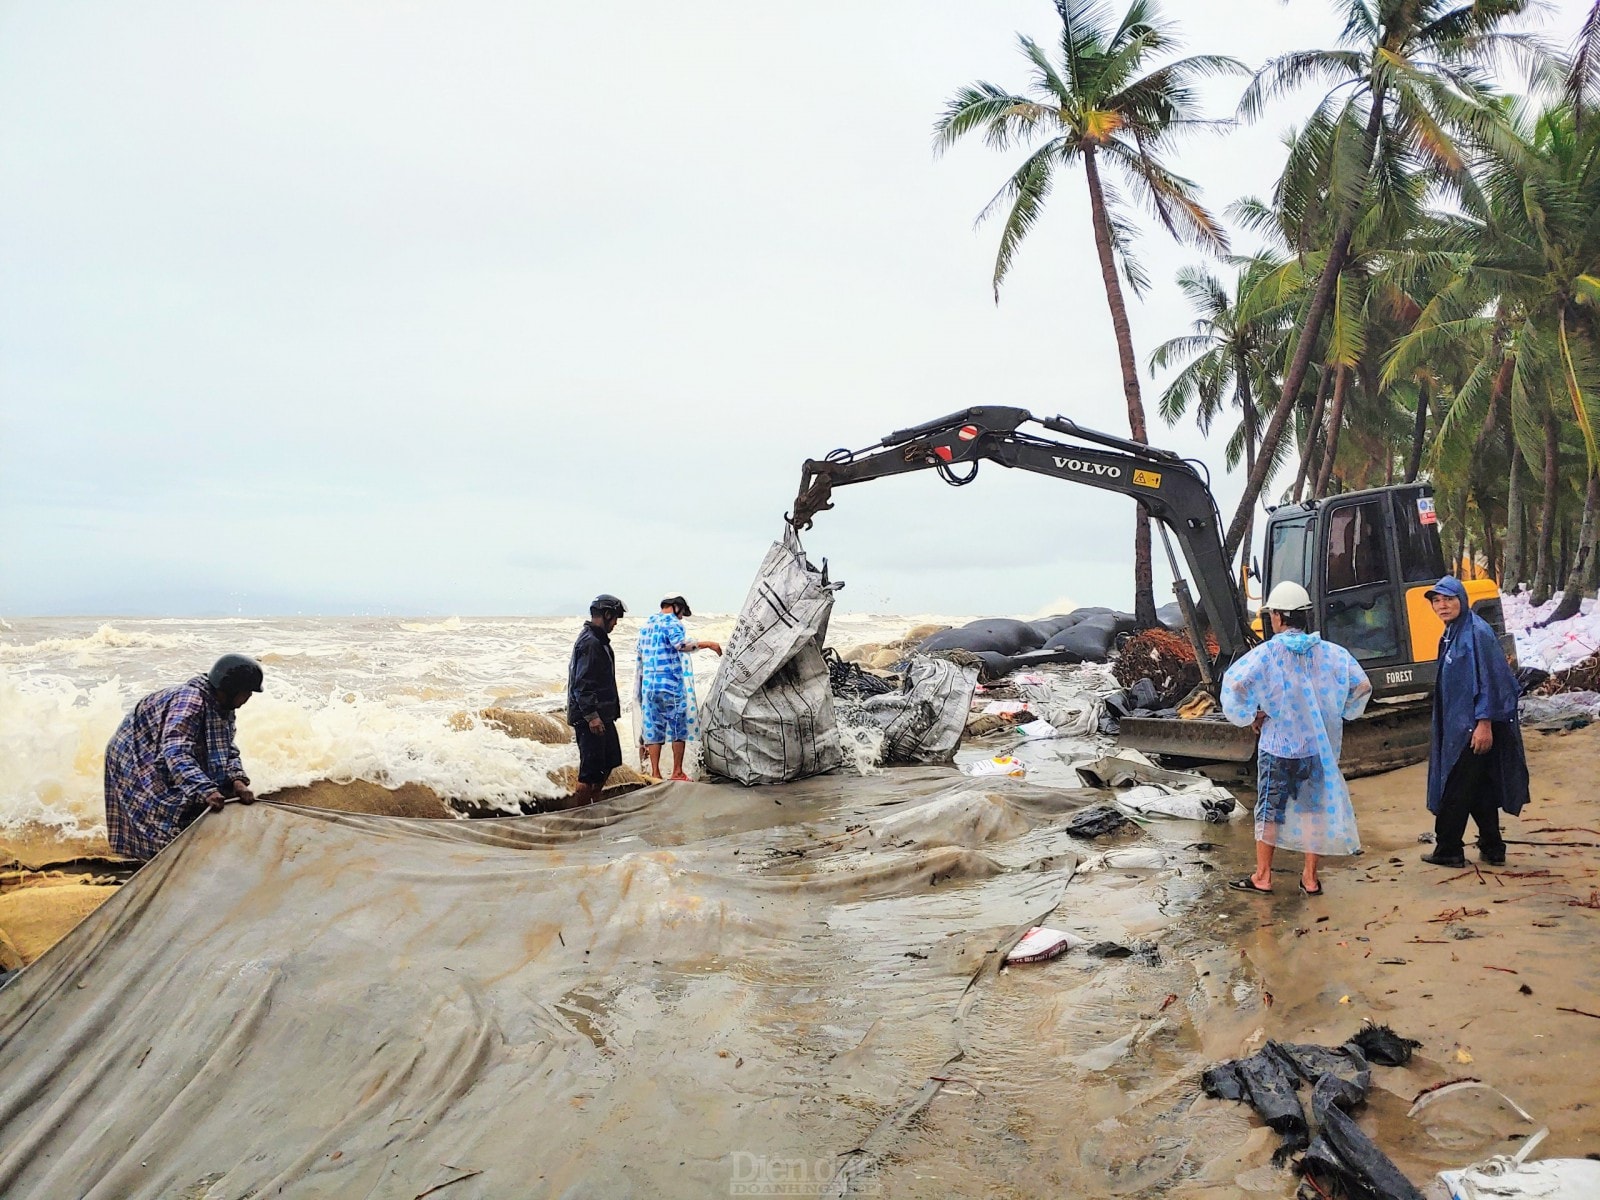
x: 1366, y: 558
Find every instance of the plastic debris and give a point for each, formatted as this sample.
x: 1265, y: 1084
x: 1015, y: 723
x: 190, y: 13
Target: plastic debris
x: 1340, y: 1158
x: 1000, y: 764
x: 1513, y: 1175
x: 1096, y: 821
x: 1037, y: 729
x: 1557, y: 647
x: 1158, y: 792
x: 1040, y: 944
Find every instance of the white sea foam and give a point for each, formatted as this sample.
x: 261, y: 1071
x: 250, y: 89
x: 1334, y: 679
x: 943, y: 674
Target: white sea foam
x: 374, y: 699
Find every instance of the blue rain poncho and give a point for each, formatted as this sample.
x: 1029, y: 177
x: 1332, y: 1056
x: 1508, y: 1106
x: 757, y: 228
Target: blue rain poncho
x: 1475, y: 684
x: 665, y: 706
x: 1308, y: 688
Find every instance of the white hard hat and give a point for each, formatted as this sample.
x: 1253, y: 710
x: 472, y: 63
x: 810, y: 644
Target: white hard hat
x: 1288, y: 596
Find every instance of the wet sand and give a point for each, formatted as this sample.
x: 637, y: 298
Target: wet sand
x: 1479, y: 966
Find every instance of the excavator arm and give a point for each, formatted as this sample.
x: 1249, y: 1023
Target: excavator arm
x: 1168, y: 487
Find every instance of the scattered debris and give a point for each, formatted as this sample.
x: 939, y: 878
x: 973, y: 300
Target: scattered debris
x: 1096, y: 821
x: 1340, y: 1157
x: 1041, y: 944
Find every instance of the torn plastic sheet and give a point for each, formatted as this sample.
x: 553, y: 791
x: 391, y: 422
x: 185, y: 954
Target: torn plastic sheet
x: 1340, y: 1078
x: 1157, y: 792
x: 925, y: 722
x: 1506, y: 1176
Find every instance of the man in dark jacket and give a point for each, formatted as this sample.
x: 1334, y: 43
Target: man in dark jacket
x: 593, y: 705
x: 1476, y: 765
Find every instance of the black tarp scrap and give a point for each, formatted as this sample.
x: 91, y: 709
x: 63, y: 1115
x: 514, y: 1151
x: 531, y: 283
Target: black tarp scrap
x: 1341, y: 1158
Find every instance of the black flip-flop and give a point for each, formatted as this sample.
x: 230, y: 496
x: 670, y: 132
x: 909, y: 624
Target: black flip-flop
x: 1305, y: 891
x: 1248, y: 885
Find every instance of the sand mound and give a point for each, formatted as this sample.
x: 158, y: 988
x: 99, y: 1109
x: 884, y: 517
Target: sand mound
x: 531, y: 726
x: 622, y: 777
x: 32, y: 919
x: 360, y: 796
x: 538, y: 727
x: 34, y: 847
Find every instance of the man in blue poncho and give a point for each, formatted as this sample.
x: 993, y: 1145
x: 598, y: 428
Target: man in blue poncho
x: 1476, y: 765
x: 664, y: 687
x: 1298, y: 691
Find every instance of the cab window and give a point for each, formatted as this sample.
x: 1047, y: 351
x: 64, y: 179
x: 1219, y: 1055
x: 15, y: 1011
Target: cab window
x: 1417, y: 537
x: 1356, y: 555
x: 1290, y: 554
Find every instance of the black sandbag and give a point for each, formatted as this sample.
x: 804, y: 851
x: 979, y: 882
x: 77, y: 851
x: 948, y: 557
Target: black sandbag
x: 1048, y: 627
x: 1043, y: 658
x: 1091, y: 640
x: 1171, y: 617
x: 1123, y: 622
x: 1000, y: 635
x: 995, y: 666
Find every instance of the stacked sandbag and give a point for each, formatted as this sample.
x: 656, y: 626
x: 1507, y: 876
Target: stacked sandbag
x: 1006, y: 645
x: 996, y: 635
x: 1092, y: 637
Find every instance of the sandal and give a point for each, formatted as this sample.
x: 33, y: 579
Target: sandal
x: 1305, y: 891
x: 1248, y: 884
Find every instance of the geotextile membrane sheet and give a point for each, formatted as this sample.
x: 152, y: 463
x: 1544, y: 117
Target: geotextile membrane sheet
x: 657, y: 996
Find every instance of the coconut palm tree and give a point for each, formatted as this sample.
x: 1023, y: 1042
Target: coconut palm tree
x: 1524, y: 279
x: 1097, y: 102
x: 1407, y: 90
x: 1230, y: 355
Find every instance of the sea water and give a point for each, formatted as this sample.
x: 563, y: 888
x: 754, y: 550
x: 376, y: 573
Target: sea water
x: 387, y: 700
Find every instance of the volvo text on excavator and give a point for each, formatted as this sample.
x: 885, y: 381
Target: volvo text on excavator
x: 1364, y: 557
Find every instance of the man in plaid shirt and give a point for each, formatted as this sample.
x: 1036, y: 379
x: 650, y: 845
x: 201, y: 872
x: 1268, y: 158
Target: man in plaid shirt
x: 173, y: 757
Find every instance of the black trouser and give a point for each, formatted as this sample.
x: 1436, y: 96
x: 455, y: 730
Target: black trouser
x: 1469, y: 792
x: 598, y: 753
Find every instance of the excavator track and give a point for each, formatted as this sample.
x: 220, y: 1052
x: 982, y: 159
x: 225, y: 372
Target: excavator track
x: 1388, y: 737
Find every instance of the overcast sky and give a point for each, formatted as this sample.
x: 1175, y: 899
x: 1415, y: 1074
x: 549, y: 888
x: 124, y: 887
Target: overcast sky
x: 469, y: 306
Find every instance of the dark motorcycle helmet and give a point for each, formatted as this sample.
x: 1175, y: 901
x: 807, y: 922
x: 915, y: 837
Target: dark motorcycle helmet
x: 606, y: 604
x: 235, y: 673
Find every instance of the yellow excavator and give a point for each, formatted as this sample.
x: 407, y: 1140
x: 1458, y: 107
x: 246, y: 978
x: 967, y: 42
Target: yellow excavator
x: 1365, y: 558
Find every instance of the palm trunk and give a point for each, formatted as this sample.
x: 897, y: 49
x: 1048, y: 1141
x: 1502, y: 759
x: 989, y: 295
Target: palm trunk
x: 1544, y: 573
x: 1330, y: 451
x: 1247, y: 406
x: 1419, y: 429
x: 1511, y: 580
x: 1338, y: 254
x: 1312, y: 425
x: 1572, y: 594
x: 1144, y: 595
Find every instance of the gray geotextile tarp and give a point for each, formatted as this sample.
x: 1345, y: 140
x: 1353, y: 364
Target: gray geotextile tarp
x: 621, y: 1001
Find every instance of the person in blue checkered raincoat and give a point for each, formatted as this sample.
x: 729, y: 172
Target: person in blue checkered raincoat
x: 664, y: 684
x: 1298, y: 691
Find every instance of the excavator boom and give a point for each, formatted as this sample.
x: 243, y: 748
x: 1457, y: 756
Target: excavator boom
x: 1167, y: 486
